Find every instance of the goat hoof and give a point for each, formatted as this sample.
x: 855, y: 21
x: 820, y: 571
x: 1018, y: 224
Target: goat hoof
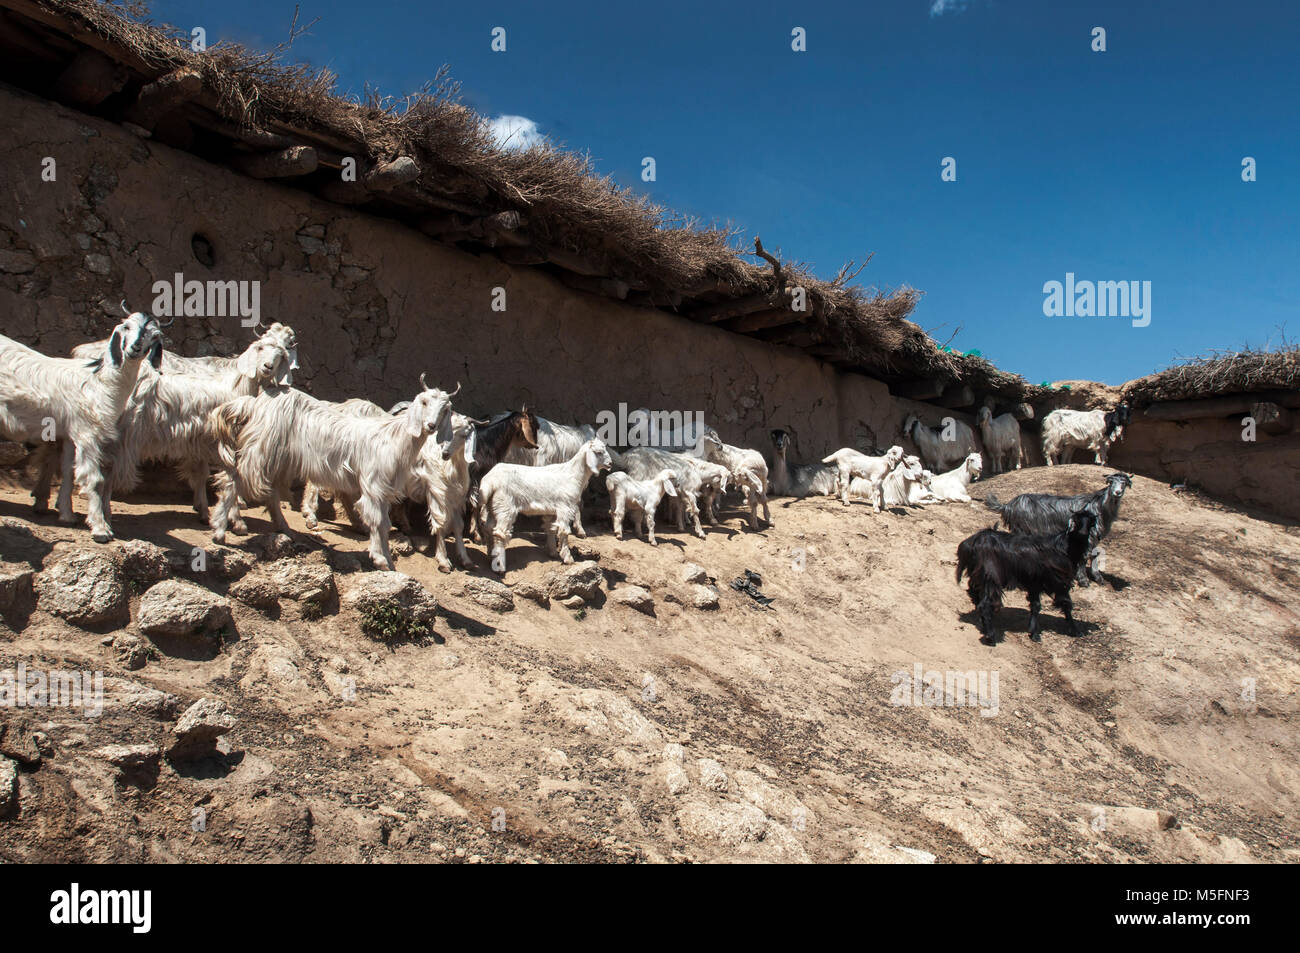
x: 1035, y: 637
x: 102, y: 537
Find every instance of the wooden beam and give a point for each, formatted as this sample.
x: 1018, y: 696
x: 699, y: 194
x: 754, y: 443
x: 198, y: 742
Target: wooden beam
x: 608, y: 287
x: 733, y: 308
x: 163, y: 95
x: 89, y: 79
x: 286, y: 163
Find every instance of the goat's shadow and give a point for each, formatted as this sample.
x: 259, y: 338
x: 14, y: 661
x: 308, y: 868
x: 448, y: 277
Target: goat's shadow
x: 1013, y: 622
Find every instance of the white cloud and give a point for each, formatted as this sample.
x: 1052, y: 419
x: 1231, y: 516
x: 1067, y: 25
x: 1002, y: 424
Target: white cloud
x: 515, y: 132
x: 940, y: 7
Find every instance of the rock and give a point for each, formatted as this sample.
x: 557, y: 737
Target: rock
x: 711, y: 774
x: 198, y: 730
x: 131, y: 757
x: 489, y: 593
x: 132, y: 652
x: 308, y: 579
x: 392, y: 605
x: 675, y: 777
x: 573, y: 602
x: 17, y: 741
x: 704, y: 597
x: 15, y: 588
x: 692, y: 573
x: 177, y: 607
x: 136, y: 698
x: 99, y: 264
x: 580, y: 579
x: 272, y: 546
x: 674, y: 752
x: 634, y: 597
x: 8, y: 786
x: 399, y: 544
x: 141, y: 561
x: 86, y: 588
x: 226, y: 562
x: 727, y: 822
x: 255, y: 590
x: 529, y: 590
x: 15, y: 262
x: 918, y: 856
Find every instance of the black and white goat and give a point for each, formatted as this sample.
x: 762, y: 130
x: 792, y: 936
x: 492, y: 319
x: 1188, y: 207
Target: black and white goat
x: 1064, y: 430
x: 1044, y: 513
x: 997, y: 561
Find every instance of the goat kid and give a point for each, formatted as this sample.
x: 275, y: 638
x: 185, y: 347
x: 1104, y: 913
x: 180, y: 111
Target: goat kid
x: 850, y: 463
x: 640, y: 498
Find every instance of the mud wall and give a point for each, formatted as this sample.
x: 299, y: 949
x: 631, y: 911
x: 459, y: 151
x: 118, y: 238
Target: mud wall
x: 1210, y: 454
x: 374, y: 302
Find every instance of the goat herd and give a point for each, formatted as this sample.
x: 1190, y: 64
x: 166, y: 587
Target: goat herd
x: 119, y: 403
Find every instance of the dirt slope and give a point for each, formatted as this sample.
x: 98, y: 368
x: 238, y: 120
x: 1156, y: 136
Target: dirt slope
x: 1136, y: 742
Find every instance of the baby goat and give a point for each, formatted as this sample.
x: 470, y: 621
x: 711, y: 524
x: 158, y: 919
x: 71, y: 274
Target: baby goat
x: 997, y: 561
x: 640, y: 498
x: 1045, y: 513
x: 850, y: 463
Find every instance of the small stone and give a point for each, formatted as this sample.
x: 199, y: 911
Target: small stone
x: 8, y: 786
x: 634, y: 597
x: 711, y: 774
x: 529, y: 590
x: 308, y: 579
x: 255, y: 590
x: 131, y: 757
x: 199, y: 728
x: 99, y: 264
x: 489, y: 593
x: 704, y: 597
x: 141, y: 561
x: 580, y: 579
x: 693, y: 573
x: 17, y: 741
x: 573, y: 602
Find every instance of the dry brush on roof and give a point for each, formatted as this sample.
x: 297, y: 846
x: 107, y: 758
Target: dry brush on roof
x: 535, y: 206
x: 1218, y: 374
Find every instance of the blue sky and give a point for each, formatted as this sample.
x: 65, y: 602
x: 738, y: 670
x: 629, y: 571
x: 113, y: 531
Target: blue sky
x: 1122, y: 165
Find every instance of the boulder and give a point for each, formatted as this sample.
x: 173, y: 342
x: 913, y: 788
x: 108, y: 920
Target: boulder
x: 256, y: 590
x: 15, y: 588
x: 694, y: 574
x: 86, y: 588
x: 18, y: 741
x: 177, y: 607
x: 8, y: 786
x: 307, y: 579
x: 703, y: 597
x: 711, y: 775
x: 530, y: 590
x: 489, y: 593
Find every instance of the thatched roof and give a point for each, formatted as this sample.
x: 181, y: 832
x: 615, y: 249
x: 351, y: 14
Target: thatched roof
x: 429, y: 161
x: 1216, y: 375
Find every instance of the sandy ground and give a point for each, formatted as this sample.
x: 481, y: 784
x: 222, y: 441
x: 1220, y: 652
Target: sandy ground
x: 735, y: 734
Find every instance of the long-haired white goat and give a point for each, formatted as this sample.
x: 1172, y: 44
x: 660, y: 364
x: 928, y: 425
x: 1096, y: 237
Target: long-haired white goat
x: 747, y: 467
x: 52, y: 398
x: 1001, y: 440
x: 698, y: 482
x: 640, y: 498
x: 274, y: 440
x: 510, y: 490
x: 851, y: 463
x: 442, y: 483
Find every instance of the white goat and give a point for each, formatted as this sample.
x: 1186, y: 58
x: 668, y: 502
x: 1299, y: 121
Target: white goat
x: 272, y: 441
x: 908, y: 484
x: 698, y: 482
x: 311, y: 492
x: 747, y: 468
x: 1095, y: 430
x: 951, y: 487
x: 442, y: 483
x: 173, y: 363
x: 639, y: 498
x: 1001, y: 440
x: 849, y: 463
x: 556, y: 443
x: 798, y: 479
x: 511, y: 490
x: 52, y: 398
x: 167, y: 420
x: 937, y: 452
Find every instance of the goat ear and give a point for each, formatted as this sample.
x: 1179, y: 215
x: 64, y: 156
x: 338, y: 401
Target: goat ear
x: 669, y: 488
x: 155, y: 355
x: 246, y: 364
x: 115, y: 348
x: 471, y: 444
x: 413, y: 425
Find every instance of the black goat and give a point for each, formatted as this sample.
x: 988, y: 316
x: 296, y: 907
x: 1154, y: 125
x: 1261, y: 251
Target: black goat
x: 997, y: 561
x: 1116, y: 421
x: 1044, y: 514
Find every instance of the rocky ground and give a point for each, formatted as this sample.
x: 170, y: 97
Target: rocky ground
x: 274, y: 700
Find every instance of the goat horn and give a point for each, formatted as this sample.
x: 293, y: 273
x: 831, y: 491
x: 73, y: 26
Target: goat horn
x: 422, y: 383
x: 168, y: 324
x: 456, y: 391
x: 481, y: 423
x: 125, y: 309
